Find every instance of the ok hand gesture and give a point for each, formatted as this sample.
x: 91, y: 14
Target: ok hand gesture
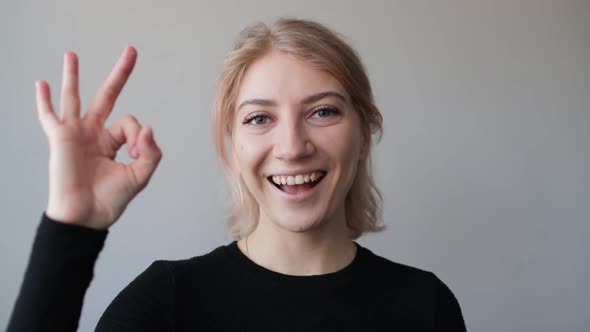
x: 87, y: 186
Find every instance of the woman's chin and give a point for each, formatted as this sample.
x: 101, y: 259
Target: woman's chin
x: 298, y: 223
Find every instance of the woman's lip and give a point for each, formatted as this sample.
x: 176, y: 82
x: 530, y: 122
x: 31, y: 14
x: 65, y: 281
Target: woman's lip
x: 300, y: 196
x: 297, y: 173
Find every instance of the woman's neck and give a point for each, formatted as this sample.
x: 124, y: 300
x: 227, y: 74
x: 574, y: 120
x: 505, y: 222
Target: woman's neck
x: 319, y: 251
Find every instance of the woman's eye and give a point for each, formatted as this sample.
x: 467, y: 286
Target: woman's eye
x: 324, y: 112
x: 257, y: 120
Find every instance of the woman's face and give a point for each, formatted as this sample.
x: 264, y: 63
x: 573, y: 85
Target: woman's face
x: 296, y: 142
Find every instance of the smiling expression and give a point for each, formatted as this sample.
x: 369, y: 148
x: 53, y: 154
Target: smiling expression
x: 296, y: 142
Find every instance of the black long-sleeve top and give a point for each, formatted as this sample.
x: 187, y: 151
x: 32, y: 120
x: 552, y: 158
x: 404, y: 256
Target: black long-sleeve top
x: 225, y: 291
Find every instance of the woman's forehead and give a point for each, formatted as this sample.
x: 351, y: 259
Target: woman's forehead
x: 285, y: 79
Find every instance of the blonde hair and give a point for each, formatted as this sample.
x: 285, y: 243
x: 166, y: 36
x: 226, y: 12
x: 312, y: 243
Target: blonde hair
x: 325, y: 50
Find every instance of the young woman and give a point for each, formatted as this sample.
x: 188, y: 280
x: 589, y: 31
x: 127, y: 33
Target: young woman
x: 295, y: 120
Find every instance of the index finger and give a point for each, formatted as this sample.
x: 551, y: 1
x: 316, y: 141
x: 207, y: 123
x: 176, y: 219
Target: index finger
x: 107, y: 94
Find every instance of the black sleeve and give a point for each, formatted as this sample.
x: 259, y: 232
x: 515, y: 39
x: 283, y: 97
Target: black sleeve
x: 146, y: 304
x: 59, y: 272
x: 449, y: 317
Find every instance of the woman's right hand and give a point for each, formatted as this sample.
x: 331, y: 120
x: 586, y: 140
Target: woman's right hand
x: 87, y: 186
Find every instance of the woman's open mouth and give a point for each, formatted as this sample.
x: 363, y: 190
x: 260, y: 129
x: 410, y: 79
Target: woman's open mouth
x: 295, y: 184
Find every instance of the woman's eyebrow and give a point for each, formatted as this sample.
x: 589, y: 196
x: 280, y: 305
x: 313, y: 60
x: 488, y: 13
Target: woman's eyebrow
x: 307, y: 100
x: 257, y: 101
x: 322, y: 95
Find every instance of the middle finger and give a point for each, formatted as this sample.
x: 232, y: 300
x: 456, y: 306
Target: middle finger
x: 70, y: 95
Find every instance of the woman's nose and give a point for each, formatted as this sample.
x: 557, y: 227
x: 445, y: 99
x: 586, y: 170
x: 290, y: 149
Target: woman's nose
x: 292, y: 142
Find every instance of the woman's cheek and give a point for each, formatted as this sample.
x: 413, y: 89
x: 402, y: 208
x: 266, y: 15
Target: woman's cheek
x: 340, y: 142
x: 252, y: 152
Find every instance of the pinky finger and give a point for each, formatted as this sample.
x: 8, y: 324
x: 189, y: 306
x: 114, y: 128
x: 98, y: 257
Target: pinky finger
x: 47, y: 117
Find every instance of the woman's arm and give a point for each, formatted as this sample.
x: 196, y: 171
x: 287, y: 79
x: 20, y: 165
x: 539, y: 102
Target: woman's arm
x: 59, y: 271
x: 88, y: 192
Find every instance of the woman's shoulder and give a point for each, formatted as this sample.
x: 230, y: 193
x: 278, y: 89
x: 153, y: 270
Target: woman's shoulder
x: 210, y: 264
x: 418, y: 288
x: 387, y: 271
x: 392, y: 267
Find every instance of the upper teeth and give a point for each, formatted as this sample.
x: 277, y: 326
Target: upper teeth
x: 296, y: 179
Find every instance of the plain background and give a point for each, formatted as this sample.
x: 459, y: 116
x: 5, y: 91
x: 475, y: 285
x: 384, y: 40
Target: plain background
x: 484, y: 165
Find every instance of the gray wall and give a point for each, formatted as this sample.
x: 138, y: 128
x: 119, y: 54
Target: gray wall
x: 484, y: 164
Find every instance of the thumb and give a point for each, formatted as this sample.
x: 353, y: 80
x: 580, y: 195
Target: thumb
x: 149, y: 156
